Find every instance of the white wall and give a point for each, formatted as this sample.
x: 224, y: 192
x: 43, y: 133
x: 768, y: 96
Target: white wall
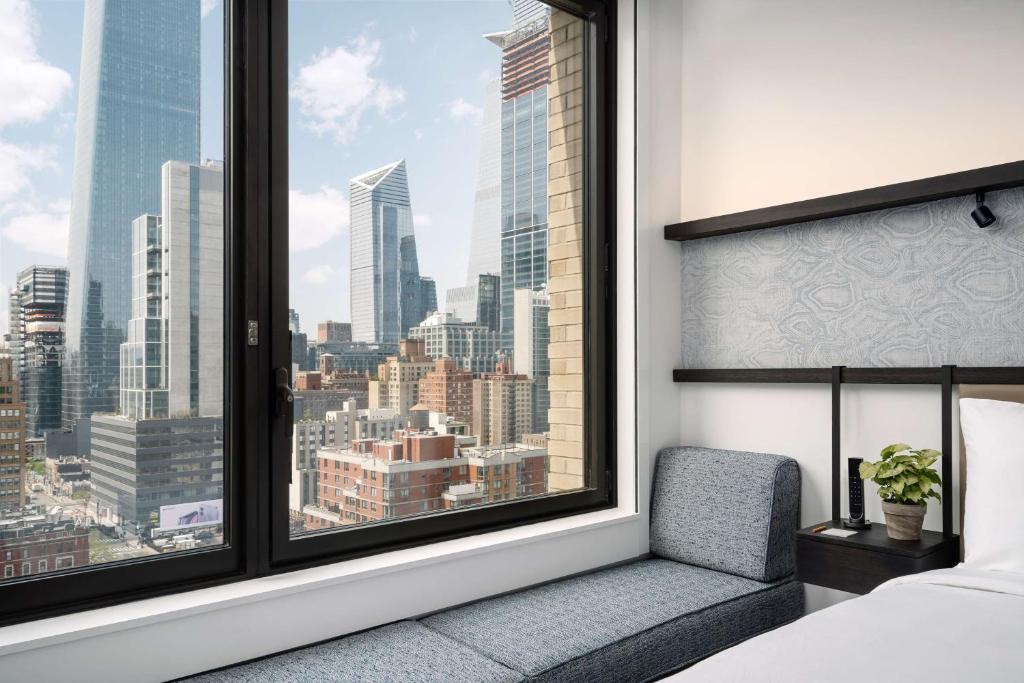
x: 773, y: 102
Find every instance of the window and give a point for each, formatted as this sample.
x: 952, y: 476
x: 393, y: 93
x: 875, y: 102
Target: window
x: 420, y: 285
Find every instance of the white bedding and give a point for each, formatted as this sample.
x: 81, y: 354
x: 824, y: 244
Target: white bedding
x: 955, y: 624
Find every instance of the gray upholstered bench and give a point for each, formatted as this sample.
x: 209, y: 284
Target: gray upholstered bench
x: 722, y: 540
x: 403, y: 652
x: 722, y: 533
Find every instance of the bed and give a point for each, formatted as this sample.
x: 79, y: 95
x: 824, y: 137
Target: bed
x: 960, y: 624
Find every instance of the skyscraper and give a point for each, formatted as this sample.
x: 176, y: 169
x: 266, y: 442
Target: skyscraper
x: 173, y: 362
x: 524, y: 161
x: 37, y: 307
x: 167, y: 444
x: 530, y: 349
x: 485, y: 237
x: 386, y: 286
x: 138, y: 107
x: 478, y: 303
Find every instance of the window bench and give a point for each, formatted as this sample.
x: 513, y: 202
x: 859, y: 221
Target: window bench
x: 722, y: 540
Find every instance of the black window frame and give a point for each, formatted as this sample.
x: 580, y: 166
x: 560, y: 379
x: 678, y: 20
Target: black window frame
x: 332, y: 545
x: 257, y: 450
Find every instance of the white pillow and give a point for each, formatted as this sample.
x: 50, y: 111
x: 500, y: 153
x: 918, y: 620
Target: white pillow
x: 994, y: 505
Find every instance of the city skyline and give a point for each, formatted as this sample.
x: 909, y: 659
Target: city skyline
x: 434, y: 126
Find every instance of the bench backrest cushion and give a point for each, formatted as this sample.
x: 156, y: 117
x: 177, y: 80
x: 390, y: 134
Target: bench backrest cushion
x: 731, y: 511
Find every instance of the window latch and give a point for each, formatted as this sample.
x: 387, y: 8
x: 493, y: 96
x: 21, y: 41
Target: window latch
x: 285, y: 404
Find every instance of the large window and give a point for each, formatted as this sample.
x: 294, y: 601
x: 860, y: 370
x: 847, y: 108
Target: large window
x: 290, y: 282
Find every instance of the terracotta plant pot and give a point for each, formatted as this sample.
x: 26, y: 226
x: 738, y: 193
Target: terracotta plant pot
x: 903, y: 522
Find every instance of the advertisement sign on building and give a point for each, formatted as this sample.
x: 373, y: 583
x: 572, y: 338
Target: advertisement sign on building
x: 185, y: 515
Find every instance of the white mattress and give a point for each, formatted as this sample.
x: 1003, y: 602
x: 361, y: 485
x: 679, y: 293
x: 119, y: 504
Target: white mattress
x: 945, y: 625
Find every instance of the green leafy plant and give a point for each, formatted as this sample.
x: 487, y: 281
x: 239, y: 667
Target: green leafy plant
x: 904, y: 475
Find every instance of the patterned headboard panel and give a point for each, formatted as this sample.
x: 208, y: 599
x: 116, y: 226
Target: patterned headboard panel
x: 917, y: 285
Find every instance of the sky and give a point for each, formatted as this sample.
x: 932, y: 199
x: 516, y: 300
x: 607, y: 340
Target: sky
x: 370, y: 82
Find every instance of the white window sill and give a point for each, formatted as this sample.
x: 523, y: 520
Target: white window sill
x: 54, y: 631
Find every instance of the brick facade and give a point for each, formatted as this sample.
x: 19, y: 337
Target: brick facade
x: 565, y: 253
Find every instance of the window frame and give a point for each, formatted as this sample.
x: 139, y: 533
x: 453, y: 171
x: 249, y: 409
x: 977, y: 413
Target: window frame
x: 332, y: 545
x: 257, y: 450
x: 40, y: 595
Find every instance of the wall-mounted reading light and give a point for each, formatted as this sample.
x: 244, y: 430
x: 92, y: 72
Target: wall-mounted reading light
x: 982, y: 215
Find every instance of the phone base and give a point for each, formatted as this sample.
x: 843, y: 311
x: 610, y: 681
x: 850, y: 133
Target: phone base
x: 862, y: 524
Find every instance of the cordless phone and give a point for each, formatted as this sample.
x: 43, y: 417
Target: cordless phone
x: 856, y: 520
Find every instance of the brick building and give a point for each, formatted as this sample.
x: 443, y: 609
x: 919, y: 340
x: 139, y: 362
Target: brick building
x: 565, y: 252
x: 417, y: 472
x: 331, y: 331
x: 308, y: 381
x: 398, y: 378
x: 37, y: 543
x: 12, y: 439
x: 449, y: 390
x: 502, y: 407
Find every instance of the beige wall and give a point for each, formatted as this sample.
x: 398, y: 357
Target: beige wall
x: 792, y: 99
x: 565, y: 253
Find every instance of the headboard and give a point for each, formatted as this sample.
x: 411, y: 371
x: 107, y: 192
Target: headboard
x: 997, y: 392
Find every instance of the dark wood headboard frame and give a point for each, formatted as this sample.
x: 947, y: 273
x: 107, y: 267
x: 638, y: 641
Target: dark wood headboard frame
x: 964, y: 183
x: 946, y: 377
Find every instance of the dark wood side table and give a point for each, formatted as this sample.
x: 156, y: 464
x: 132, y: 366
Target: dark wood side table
x: 859, y: 563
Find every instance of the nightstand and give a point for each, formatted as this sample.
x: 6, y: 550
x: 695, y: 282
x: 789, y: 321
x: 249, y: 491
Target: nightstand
x: 859, y: 563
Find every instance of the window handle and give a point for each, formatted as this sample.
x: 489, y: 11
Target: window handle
x: 285, y: 404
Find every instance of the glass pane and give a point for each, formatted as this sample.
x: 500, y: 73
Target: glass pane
x: 436, y: 256
x: 112, y: 263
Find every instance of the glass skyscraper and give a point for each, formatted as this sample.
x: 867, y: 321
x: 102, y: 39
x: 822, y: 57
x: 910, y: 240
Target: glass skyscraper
x: 138, y: 107
x: 37, y: 305
x: 172, y: 364
x: 386, y: 297
x: 524, y: 161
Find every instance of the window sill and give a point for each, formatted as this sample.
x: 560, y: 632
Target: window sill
x: 56, y: 631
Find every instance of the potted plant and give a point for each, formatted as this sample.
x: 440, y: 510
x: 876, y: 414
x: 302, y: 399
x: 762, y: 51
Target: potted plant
x: 905, y: 479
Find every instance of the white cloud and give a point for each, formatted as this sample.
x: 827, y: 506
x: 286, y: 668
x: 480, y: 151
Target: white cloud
x: 460, y: 109
x: 17, y: 162
x: 314, y: 218
x: 208, y: 6
x: 43, y: 230
x: 320, y: 275
x: 421, y: 220
x: 29, y: 87
x: 418, y: 134
x: 413, y: 34
x: 337, y: 88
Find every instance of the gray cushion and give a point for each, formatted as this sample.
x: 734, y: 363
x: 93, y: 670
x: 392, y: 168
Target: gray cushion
x: 404, y: 652
x: 731, y: 511
x: 628, y: 623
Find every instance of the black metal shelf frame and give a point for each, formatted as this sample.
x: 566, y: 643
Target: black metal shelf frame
x: 946, y: 377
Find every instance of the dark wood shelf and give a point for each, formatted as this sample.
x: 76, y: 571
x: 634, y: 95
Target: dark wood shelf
x: 877, y: 539
x: 860, y: 563
x: 997, y: 375
x: 988, y: 179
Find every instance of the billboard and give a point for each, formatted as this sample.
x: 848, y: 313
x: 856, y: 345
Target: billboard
x: 186, y: 515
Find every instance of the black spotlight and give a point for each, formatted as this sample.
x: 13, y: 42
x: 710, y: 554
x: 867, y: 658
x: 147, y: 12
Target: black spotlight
x: 983, y: 215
